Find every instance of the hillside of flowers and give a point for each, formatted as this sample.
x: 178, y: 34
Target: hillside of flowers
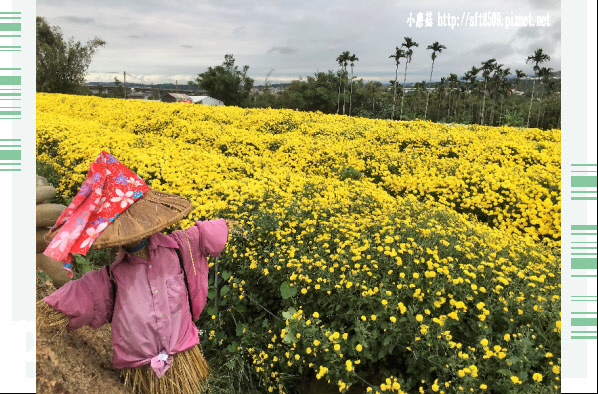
x: 380, y: 256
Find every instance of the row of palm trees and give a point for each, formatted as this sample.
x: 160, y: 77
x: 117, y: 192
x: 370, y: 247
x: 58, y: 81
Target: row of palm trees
x: 493, y: 74
x: 344, y: 59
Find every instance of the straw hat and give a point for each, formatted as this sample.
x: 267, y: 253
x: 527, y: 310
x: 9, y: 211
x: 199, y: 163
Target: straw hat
x: 151, y: 213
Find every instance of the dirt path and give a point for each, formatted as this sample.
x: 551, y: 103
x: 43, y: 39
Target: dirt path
x: 74, y: 361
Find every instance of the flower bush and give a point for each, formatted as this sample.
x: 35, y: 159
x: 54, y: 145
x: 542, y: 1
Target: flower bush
x: 381, y: 256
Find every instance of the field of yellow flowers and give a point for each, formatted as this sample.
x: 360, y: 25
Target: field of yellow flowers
x: 381, y: 256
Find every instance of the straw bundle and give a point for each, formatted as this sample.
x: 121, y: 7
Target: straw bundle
x: 48, y: 317
x: 187, y: 375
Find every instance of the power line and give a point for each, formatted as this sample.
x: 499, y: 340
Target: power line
x: 135, y: 77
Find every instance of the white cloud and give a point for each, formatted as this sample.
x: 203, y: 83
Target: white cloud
x: 149, y: 40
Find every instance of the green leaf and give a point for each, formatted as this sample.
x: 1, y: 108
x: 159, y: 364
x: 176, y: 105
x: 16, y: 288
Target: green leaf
x: 233, y: 347
x: 240, y: 308
x: 224, y: 290
x: 83, y: 263
x: 289, y: 338
x: 287, y: 315
x: 386, y: 341
x: 212, y: 310
x: 230, y: 364
x: 240, y: 328
x: 226, y: 275
x: 504, y: 372
x: 211, y: 294
x: 287, y: 291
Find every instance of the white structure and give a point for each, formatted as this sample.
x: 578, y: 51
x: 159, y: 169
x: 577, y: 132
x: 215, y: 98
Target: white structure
x: 206, y: 100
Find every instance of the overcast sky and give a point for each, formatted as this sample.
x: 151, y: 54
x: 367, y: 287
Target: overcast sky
x: 161, y: 43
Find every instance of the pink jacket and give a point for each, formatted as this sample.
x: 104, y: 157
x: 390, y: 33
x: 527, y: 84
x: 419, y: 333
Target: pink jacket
x: 150, y: 318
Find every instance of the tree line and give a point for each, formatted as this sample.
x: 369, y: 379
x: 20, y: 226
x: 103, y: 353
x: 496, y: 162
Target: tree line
x: 487, y: 93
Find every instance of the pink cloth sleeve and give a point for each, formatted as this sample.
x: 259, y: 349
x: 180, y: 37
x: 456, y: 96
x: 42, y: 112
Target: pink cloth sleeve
x: 205, y: 238
x: 213, y: 235
x: 87, y: 301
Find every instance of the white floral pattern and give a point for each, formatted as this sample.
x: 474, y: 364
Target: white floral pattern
x: 100, y: 195
x: 93, y: 233
x: 124, y: 198
x: 61, y: 240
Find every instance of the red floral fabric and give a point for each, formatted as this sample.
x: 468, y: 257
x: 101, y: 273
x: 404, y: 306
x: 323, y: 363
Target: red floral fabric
x: 110, y: 187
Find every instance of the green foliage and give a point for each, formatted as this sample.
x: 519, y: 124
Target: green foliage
x: 463, y: 100
x: 81, y: 266
x: 232, y: 375
x: 287, y: 291
x: 94, y: 259
x: 348, y: 173
x: 514, y: 118
x: 61, y: 65
x: 260, y: 304
x: 226, y: 82
x: 450, y: 102
x: 320, y: 93
x: 120, y: 90
x: 47, y: 171
x: 42, y: 276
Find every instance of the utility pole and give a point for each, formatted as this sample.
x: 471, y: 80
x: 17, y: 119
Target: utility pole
x: 125, y: 82
x: 176, y: 85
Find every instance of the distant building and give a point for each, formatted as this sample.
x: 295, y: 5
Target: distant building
x: 134, y: 95
x: 175, y: 98
x: 515, y: 92
x: 206, y: 100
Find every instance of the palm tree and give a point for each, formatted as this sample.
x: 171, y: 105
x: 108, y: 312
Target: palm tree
x: 470, y: 76
x: 518, y: 75
x: 339, y: 75
x: 537, y: 58
x: 342, y: 61
x: 371, y: 89
x: 440, y: 87
x: 496, y: 79
x: 544, y: 74
x: 399, y: 53
x: 453, y: 81
x: 552, y: 89
x: 351, y: 59
x: 409, y: 43
x: 502, y: 89
x: 435, y: 47
x: 487, y: 68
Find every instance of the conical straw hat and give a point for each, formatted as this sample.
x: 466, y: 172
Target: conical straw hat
x: 151, y: 213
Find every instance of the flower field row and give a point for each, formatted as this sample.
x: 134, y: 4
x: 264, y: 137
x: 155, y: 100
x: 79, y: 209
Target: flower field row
x: 506, y: 177
x: 381, y: 256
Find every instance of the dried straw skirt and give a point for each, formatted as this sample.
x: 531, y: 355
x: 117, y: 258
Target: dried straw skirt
x: 188, y: 373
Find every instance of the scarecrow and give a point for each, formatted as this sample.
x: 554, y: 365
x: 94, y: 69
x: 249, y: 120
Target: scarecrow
x: 154, y: 290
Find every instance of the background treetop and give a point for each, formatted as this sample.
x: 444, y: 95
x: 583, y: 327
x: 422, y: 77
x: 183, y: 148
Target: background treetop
x: 61, y: 65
